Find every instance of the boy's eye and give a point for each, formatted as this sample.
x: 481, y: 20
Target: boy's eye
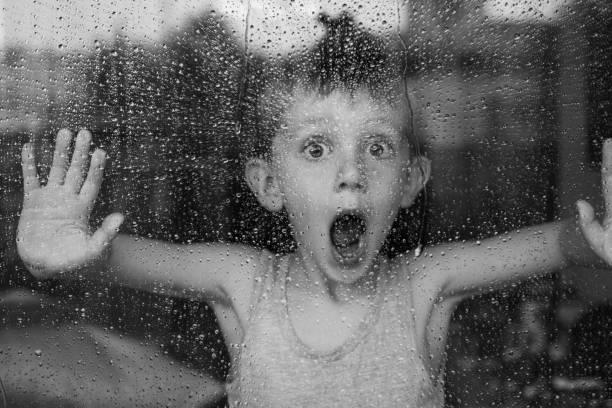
x: 376, y: 149
x: 316, y: 150
x: 380, y: 149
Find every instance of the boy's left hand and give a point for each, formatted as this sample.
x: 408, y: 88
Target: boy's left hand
x: 599, y: 235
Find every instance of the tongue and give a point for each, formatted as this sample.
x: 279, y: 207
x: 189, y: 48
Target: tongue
x: 347, y: 231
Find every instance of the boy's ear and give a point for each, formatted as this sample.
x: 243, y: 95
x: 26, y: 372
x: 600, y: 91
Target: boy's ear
x: 420, y: 170
x: 263, y: 184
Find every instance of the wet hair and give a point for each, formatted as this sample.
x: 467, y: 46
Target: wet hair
x: 347, y: 58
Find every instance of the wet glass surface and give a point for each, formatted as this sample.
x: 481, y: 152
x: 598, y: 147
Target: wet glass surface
x: 512, y: 100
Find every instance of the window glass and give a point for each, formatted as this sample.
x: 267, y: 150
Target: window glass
x: 510, y: 102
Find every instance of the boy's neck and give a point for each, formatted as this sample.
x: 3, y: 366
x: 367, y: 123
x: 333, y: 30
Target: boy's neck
x: 308, y: 277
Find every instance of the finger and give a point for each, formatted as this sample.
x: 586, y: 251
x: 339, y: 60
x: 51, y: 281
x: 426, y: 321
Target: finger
x: 60, y: 157
x: 28, y: 167
x: 74, y: 176
x: 106, y: 233
x: 586, y: 214
x: 591, y: 229
x: 606, y: 179
x: 92, y: 184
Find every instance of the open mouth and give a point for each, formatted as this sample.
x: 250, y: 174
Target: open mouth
x: 347, y: 235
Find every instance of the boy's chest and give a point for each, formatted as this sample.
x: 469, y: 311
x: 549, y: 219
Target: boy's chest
x: 334, y: 353
x: 319, y: 326
x: 323, y: 326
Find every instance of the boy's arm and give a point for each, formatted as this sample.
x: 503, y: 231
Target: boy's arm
x: 213, y: 272
x: 477, y: 266
x: 470, y: 267
x: 54, y: 240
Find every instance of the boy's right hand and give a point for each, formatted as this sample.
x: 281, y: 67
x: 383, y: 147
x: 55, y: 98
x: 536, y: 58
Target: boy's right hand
x: 53, y: 234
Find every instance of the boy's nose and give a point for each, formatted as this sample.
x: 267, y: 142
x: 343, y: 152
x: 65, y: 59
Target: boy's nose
x: 350, y: 176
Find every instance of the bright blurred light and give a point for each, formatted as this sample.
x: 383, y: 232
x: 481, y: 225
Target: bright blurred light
x: 2, y: 24
x: 526, y: 10
x: 75, y: 25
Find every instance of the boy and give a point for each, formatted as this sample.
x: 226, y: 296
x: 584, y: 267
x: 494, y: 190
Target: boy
x: 336, y: 322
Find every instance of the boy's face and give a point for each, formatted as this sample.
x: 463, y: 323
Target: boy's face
x: 342, y: 168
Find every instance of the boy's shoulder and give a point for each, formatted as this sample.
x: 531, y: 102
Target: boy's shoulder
x: 407, y: 267
x: 236, y: 269
x: 422, y: 275
x: 233, y: 266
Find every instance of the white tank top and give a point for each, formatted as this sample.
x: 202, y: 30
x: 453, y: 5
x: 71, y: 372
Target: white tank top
x: 379, y: 366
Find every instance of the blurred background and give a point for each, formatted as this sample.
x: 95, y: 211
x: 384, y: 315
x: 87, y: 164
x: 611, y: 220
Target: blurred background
x: 513, y: 98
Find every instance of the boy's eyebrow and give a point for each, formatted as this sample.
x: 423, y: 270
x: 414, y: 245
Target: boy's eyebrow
x: 383, y: 125
x: 313, y: 120
x: 316, y: 120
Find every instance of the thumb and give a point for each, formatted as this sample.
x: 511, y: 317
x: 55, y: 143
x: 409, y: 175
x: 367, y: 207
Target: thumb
x: 106, y: 233
x: 586, y: 214
x: 591, y: 229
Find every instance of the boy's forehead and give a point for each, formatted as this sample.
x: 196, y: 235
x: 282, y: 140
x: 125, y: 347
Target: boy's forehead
x: 309, y: 105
